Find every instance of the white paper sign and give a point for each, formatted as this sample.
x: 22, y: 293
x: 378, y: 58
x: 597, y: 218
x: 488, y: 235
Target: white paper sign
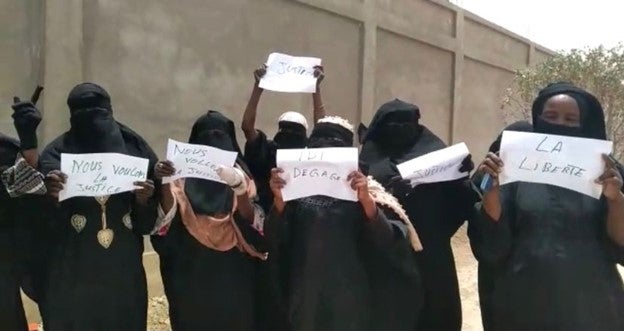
x: 439, y: 166
x: 99, y: 174
x: 287, y: 73
x: 568, y: 162
x: 318, y: 171
x: 197, y: 161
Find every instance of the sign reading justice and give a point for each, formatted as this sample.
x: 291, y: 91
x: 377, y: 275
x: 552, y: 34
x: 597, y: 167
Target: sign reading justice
x: 197, y: 161
x: 99, y: 174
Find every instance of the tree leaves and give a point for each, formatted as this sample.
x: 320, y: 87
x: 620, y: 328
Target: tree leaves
x: 599, y: 70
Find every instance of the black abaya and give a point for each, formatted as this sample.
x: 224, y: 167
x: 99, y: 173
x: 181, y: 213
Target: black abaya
x: 12, y: 316
x: 558, y: 265
x: 89, y: 287
x: 437, y: 211
x: 334, y: 270
x: 208, y: 289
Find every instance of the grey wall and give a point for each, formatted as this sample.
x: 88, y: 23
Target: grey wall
x: 165, y: 62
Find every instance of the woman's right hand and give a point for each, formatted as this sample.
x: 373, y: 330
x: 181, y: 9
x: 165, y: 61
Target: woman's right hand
x: 259, y: 73
x: 54, y: 182
x: 493, y: 166
x: 164, y: 169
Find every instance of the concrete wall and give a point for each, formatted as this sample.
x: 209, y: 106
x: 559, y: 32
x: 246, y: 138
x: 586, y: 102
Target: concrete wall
x: 165, y: 62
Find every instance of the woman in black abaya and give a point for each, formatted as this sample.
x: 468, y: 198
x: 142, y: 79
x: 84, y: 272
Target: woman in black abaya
x: 557, y: 248
x: 487, y: 272
x: 204, y: 238
x: 95, y: 276
x: 437, y: 210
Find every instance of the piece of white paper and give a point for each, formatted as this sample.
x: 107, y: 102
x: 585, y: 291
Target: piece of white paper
x: 318, y: 171
x: 569, y: 162
x: 197, y: 161
x: 286, y: 73
x: 99, y: 174
x: 439, y: 166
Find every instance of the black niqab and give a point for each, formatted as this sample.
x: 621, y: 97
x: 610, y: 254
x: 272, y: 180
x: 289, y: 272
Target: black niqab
x: 592, y: 114
x: 327, y: 134
x: 93, y: 128
x: 209, y: 197
x: 290, y: 135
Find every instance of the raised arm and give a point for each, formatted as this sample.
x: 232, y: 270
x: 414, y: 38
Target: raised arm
x: 249, y: 118
x: 26, y: 119
x: 317, y: 99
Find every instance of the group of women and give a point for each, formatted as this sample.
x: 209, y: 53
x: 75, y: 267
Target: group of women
x: 236, y: 256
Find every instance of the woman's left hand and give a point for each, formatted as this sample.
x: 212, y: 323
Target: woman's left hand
x: 145, y: 191
x: 611, y: 180
x: 359, y: 183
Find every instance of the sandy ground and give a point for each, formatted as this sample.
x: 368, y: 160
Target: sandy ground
x: 466, y: 269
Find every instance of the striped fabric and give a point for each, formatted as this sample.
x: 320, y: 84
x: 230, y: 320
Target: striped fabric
x: 22, y: 179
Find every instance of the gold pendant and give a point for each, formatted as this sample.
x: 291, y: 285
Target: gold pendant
x: 127, y: 221
x: 102, y: 200
x: 105, y: 237
x: 78, y: 222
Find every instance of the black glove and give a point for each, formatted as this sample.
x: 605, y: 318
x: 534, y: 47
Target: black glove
x: 400, y: 187
x: 467, y: 165
x: 26, y: 118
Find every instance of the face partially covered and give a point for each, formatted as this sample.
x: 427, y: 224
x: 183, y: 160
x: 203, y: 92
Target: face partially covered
x: 290, y: 135
x: 330, y: 135
x: 561, y: 115
x: 398, y: 129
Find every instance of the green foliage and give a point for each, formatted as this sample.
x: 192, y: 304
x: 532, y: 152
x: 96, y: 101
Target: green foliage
x: 599, y: 70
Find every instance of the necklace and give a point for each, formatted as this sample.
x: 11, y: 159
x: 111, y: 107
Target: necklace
x: 104, y: 236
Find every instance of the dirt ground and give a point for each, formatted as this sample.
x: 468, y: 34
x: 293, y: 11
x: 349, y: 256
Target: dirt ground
x: 466, y: 269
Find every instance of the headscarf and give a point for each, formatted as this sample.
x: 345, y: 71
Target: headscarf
x: 209, y: 197
x: 9, y: 148
x: 520, y: 126
x: 332, y: 131
x: 93, y: 128
x: 90, y: 108
x: 292, y: 131
x: 381, y: 159
x: 592, y: 114
x: 395, y: 125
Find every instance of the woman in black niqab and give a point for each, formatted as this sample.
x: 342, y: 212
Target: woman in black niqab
x: 557, y: 249
x: 437, y: 210
x: 94, y: 284
x: 205, y: 240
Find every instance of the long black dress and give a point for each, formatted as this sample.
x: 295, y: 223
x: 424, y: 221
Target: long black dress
x: 12, y: 316
x: 89, y: 287
x: 208, y: 289
x: 559, y: 266
x: 334, y: 270
x: 437, y: 211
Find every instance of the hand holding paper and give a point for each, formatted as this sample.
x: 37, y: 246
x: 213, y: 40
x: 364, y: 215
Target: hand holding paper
x: 285, y: 73
x: 611, y: 180
x: 317, y: 171
x: 196, y: 161
x: 568, y: 162
x: 439, y: 166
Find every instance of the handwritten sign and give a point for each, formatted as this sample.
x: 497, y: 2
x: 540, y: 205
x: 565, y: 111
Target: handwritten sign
x: 99, y: 174
x: 439, y: 166
x: 287, y: 73
x: 318, y: 171
x: 569, y: 162
x: 197, y: 161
